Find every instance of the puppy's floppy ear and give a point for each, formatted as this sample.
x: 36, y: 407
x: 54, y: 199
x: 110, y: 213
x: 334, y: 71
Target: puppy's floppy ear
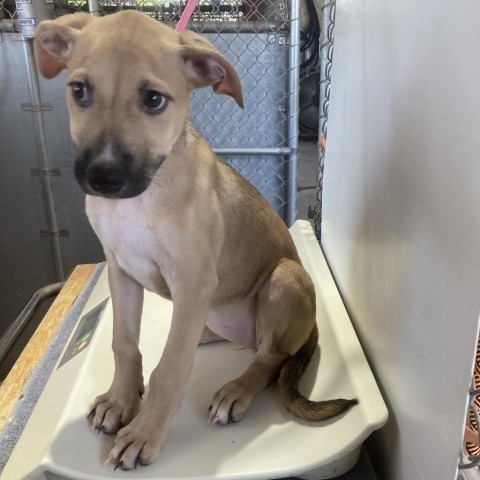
x: 55, y: 40
x: 205, y: 65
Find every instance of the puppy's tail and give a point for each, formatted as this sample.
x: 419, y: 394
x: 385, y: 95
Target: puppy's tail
x: 293, y: 400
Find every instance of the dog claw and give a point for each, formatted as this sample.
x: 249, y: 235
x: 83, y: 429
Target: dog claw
x: 211, y: 417
x: 97, y: 429
x: 91, y: 417
x: 219, y: 417
x: 121, y: 465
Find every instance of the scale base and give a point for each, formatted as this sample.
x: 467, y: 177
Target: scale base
x: 267, y: 443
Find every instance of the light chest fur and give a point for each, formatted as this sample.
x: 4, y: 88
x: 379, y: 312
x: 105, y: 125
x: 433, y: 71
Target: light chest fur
x: 137, y: 244
x: 130, y: 239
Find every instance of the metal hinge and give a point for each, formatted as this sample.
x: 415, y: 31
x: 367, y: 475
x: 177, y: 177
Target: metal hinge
x: 46, y: 172
x: 52, y: 234
x: 42, y: 107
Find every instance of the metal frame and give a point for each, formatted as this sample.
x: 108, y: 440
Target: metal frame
x: 294, y: 87
x: 18, y: 326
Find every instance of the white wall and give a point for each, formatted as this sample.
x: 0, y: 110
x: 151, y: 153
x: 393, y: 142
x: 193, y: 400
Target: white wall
x: 401, y: 219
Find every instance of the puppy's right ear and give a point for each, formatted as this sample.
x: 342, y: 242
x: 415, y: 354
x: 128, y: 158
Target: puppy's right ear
x: 55, y: 40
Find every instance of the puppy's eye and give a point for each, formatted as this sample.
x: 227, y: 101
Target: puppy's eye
x: 154, y: 102
x: 81, y: 93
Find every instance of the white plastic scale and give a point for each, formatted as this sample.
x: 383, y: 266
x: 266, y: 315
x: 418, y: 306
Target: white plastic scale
x: 268, y: 443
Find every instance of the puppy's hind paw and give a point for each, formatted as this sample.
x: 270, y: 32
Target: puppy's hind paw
x: 229, y: 404
x: 221, y: 416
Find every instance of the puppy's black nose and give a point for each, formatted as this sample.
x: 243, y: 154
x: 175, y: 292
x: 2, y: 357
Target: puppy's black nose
x: 106, y: 178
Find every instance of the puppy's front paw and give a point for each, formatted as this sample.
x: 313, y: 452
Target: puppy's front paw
x: 113, y: 410
x: 230, y: 403
x: 139, y: 442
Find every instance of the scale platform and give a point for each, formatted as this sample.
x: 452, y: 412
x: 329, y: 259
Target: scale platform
x: 267, y: 443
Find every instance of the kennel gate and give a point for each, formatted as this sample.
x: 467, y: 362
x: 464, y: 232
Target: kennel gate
x: 260, y: 37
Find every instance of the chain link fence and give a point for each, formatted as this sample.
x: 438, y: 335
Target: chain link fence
x: 261, y: 38
x: 207, y: 11
x: 8, y: 14
x: 469, y: 461
x: 326, y: 56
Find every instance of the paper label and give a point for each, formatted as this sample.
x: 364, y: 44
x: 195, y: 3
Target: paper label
x: 27, y: 22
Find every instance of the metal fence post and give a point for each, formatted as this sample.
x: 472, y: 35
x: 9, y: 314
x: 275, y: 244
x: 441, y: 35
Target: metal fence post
x: 94, y: 7
x: 53, y: 225
x: 294, y: 88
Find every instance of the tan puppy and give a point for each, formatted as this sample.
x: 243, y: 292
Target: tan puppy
x: 176, y: 220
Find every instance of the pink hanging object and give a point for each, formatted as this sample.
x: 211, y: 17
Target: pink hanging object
x: 186, y: 15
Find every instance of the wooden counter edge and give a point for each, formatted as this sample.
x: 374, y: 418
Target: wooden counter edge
x: 12, y: 388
